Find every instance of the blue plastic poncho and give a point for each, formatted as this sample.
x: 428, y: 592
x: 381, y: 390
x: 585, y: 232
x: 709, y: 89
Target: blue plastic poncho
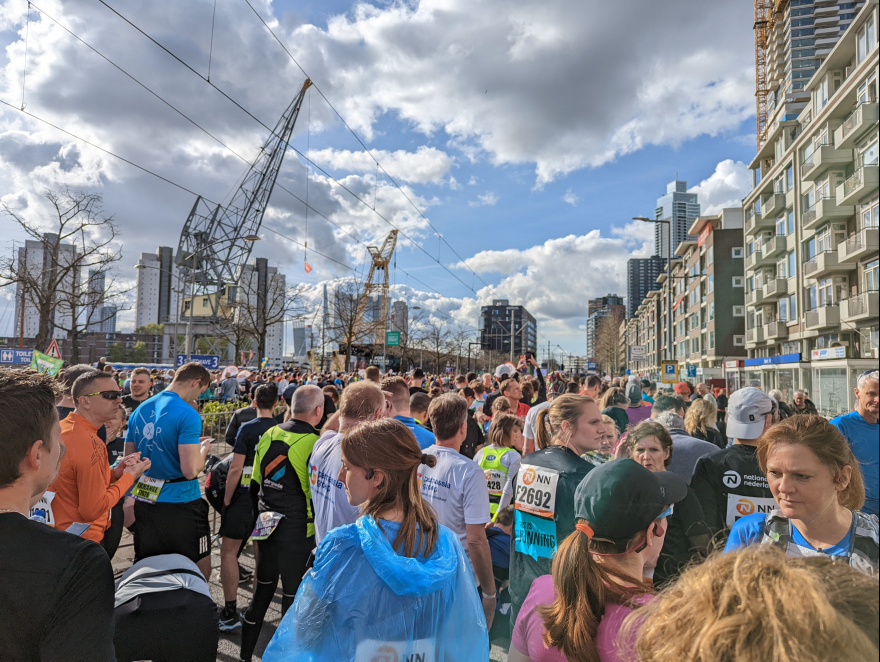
x: 363, y: 601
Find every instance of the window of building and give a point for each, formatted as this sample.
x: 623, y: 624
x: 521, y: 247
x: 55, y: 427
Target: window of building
x: 739, y: 341
x: 872, y: 277
x: 710, y: 284
x: 871, y: 214
x: 866, y: 39
x: 737, y: 281
x: 781, y: 268
x: 710, y: 311
x: 736, y: 251
x: 739, y: 311
x: 790, y: 217
x: 789, y: 177
x: 782, y: 310
x: 710, y: 255
x: 780, y: 226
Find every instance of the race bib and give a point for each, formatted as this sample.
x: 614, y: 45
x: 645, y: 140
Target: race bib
x: 42, y: 510
x: 246, y: 474
x: 495, y: 479
x: 739, y: 506
x: 266, y: 524
x: 536, y: 491
x: 420, y: 650
x: 147, y: 489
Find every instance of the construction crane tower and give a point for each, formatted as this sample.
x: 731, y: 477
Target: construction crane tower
x: 766, y: 12
x: 381, y: 258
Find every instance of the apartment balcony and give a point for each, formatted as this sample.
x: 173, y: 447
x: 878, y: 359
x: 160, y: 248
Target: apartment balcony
x: 861, y: 244
x: 824, y: 264
x: 859, y: 121
x: 775, y: 331
x: 826, y: 209
x: 859, y: 184
x: 775, y: 288
x: 758, y: 222
x: 826, y: 156
x: 773, y: 246
x: 823, y: 318
x: 755, y: 297
x: 757, y: 258
x: 755, y: 335
x: 773, y: 204
x: 862, y: 306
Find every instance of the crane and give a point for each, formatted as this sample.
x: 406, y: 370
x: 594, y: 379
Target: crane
x: 381, y: 258
x: 216, y: 241
x: 765, y: 20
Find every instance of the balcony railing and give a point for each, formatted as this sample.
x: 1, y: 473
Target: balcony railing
x: 853, y: 120
x: 809, y: 215
x: 854, y: 181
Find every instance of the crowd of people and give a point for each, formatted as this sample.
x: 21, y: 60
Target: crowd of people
x: 419, y: 517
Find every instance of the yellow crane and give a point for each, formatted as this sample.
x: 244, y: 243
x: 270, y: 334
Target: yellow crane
x: 765, y: 19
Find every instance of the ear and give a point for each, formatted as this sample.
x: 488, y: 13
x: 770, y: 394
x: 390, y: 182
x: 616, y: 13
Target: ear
x: 378, y: 478
x: 843, y: 479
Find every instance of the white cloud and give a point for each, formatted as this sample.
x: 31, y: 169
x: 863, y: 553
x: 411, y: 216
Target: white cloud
x: 570, y: 198
x: 426, y: 164
x: 487, y: 199
x: 726, y: 187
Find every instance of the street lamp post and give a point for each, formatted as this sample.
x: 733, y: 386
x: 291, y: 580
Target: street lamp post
x: 665, y: 221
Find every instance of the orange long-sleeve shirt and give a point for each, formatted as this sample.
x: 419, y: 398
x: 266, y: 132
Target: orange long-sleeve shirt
x: 84, y: 491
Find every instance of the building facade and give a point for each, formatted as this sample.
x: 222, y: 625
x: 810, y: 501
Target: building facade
x: 507, y: 329
x: 811, y: 230
x: 159, y: 288
x: 641, y: 278
x: 261, y: 299
x: 678, y: 207
x: 35, y: 257
x: 611, y: 305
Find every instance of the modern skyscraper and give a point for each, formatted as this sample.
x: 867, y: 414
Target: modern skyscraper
x: 35, y: 258
x: 502, y: 323
x: 611, y: 305
x: 262, y: 299
x: 641, y: 278
x: 399, y: 317
x: 100, y: 318
x: 158, y: 288
x: 679, y: 206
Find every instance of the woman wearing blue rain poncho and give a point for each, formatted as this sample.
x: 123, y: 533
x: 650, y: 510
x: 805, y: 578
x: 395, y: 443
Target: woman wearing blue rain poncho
x: 395, y: 585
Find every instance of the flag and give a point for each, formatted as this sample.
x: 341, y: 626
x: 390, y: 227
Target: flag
x: 308, y: 268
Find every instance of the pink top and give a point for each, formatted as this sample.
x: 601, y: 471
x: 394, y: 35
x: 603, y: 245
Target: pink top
x: 528, y: 632
x: 638, y: 414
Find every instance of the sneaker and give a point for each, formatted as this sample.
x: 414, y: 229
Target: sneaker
x: 244, y: 575
x: 229, y: 621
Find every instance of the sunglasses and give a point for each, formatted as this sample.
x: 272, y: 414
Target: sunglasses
x: 107, y: 395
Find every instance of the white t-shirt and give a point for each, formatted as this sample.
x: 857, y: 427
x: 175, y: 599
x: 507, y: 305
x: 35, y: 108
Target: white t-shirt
x: 510, y: 460
x: 456, y: 490
x: 329, y: 501
x: 532, y: 419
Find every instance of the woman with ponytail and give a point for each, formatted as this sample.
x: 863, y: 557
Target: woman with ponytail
x: 395, y: 581
x: 575, y: 614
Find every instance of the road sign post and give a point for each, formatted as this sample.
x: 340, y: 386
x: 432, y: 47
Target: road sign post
x: 210, y: 361
x: 392, y: 338
x: 670, y: 373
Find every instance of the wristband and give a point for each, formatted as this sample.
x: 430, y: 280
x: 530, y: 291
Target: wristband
x: 494, y: 596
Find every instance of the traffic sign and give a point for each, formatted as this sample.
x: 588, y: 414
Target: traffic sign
x: 670, y: 373
x: 592, y: 365
x: 638, y: 353
x: 210, y: 361
x: 691, y: 371
x: 16, y: 356
x: 53, y: 350
x: 392, y: 338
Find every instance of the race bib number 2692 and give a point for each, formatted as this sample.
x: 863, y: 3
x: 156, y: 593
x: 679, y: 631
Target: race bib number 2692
x: 536, y: 491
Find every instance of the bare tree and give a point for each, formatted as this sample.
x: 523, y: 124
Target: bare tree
x: 608, y: 344
x: 350, y: 320
x: 439, y: 338
x: 79, y: 238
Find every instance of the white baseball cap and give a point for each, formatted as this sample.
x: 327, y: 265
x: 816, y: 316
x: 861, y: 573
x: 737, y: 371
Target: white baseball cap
x: 746, y: 410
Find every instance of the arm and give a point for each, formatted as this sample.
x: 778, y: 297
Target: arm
x: 96, y: 496
x: 542, y: 385
x: 507, y: 492
x: 192, y: 450
x: 233, y: 477
x: 129, y: 448
x: 701, y: 484
x: 516, y: 656
x: 481, y: 560
x: 232, y: 429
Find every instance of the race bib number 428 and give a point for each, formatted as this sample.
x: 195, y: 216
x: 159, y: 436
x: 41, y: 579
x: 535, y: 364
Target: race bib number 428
x: 536, y: 491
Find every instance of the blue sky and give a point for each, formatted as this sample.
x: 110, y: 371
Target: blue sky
x: 528, y: 134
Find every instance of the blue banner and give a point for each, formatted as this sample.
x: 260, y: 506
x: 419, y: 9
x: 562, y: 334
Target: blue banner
x: 772, y: 360
x: 210, y: 361
x: 16, y: 356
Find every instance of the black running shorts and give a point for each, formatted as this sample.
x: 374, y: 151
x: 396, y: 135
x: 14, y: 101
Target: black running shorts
x: 172, y: 528
x: 237, y: 521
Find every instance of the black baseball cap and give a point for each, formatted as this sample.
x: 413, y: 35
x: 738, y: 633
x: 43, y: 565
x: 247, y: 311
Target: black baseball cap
x: 620, y: 498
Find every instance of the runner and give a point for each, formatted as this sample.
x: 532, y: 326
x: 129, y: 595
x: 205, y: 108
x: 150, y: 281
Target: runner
x: 513, y: 392
x: 56, y: 589
x: 456, y: 489
x: 400, y: 411
x: 67, y: 377
x: 361, y: 401
x: 86, y: 488
x: 729, y: 483
x: 282, y: 498
x: 406, y: 591
x: 171, y: 515
x: 861, y: 429
x: 576, y: 613
x: 555, y: 387
x: 500, y: 459
x: 818, y: 488
x: 139, y: 386
x: 544, y: 488
x: 687, y: 449
x: 238, y: 517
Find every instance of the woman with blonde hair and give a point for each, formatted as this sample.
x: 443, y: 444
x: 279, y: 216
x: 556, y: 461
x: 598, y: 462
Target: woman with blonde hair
x: 608, y: 442
x: 543, y: 492
x: 614, y: 404
x: 699, y: 421
x: 396, y: 582
x: 819, y: 490
x: 755, y: 604
x: 500, y: 459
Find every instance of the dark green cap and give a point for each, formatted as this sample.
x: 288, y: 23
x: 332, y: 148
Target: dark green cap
x: 620, y: 498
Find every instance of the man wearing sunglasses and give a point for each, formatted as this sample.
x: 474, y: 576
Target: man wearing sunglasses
x: 86, y: 487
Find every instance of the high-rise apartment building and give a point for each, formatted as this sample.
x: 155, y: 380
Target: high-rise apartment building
x: 100, y: 318
x: 261, y: 300
x: 502, y: 325
x: 811, y: 227
x: 303, y: 339
x: 399, y: 317
x: 159, y: 288
x: 641, y: 278
x: 611, y: 305
x: 681, y: 209
x: 35, y: 258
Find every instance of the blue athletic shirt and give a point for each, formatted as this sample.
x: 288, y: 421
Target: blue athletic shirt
x: 862, y: 437
x: 156, y: 428
x: 749, y: 530
x: 424, y: 436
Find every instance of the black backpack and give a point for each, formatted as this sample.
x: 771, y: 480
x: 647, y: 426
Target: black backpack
x: 216, y: 471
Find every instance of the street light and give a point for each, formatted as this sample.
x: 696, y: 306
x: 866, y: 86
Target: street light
x: 665, y: 221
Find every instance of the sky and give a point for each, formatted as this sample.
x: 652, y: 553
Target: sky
x: 514, y: 141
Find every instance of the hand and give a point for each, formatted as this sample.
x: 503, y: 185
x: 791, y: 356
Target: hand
x: 533, y: 362
x: 137, y: 468
x: 119, y: 469
x: 489, y: 609
x: 205, y: 445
